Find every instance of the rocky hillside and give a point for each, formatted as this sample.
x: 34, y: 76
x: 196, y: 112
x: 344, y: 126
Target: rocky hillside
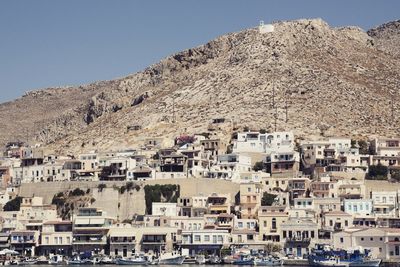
x: 331, y: 81
x: 387, y: 37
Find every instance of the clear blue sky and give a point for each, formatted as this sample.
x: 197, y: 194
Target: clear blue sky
x: 54, y: 43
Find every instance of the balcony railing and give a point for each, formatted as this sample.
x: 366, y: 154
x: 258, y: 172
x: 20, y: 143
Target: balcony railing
x: 298, y: 239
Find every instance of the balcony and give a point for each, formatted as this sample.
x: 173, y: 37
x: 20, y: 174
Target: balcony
x: 154, y: 240
x: 90, y: 240
x: 23, y: 241
x: 298, y: 239
x: 122, y: 241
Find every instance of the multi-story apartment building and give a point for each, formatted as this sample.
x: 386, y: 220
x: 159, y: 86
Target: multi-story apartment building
x: 362, y: 207
x: 90, y: 230
x: 230, y: 167
x: 208, y: 240
x: 270, y: 220
x: 250, y: 199
x: 385, y: 203
x: 56, y: 238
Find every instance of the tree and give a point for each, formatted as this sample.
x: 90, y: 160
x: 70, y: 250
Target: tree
x: 258, y: 166
x: 353, y: 143
x: 13, y: 205
x: 363, y: 147
x: 395, y: 175
x: 377, y: 172
x: 267, y: 199
x: 77, y: 192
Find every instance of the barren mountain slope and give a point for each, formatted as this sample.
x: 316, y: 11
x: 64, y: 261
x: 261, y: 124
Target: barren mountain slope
x: 332, y: 81
x: 387, y: 37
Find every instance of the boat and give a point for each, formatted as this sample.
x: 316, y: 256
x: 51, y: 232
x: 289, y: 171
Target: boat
x: 213, y: 259
x: 268, y: 261
x: 325, y: 256
x: 56, y: 260
x: 200, y: 259
x: 139, y: 260
x: 170, y: 259
x: 28, y: 261
x: 229, y: 259
x: 107, y: 260
x: 244, y: 260
x: 76, y: 260
x: 190, y: 260
x: 42, y: 260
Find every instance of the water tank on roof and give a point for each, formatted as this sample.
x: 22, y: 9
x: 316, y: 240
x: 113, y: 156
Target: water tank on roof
x: 265, y: 28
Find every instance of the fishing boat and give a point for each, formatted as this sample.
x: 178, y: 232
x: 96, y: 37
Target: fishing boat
x: 268, y: 261
x: 200, y: 259
x: 171, y: 259
x: 56, y: 260
x: 107, y: 260
x: 244, y: 260
x: 28, y: 261
x: 139, y: 260
x: 342, y: 258
x: 76, y: 260
x: 42, y: 260
x: 213, y: 259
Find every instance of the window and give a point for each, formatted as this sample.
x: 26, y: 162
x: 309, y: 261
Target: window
x: 265, y: 223
x: 362, y: 238
x: 240, y: 224
x: 220, y: 239
x: 341, y: 240
x: 197, y: 238
x: 207, y: 238
x: 371, y: 238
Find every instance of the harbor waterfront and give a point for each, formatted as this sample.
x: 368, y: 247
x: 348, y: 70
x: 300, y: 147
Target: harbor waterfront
x: 275, y: 144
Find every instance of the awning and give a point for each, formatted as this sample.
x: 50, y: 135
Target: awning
x: 97, y: 221
x: 3, y: 238
x: 82, y: 221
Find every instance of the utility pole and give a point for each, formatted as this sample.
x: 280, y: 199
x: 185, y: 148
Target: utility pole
x: 392, y: 107
x: 274, y: 107
x: 286, y: 107
x: 173, y: 109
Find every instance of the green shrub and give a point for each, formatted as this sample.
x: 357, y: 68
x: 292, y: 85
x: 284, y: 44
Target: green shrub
x: 258, y: 166
x: 157, y: 193
x: 267, y: 199
x: 100, y: 187
x: 77, y: 192
x: 13, y: 205
x: 377, y: 172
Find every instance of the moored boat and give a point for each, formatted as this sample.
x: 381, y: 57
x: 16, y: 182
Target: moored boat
x: 244, y: 260
x: 171, y: 259
x: 268, y: 261
x: 325, y: 256
x: 132, y: 261
x: 200, y: 259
